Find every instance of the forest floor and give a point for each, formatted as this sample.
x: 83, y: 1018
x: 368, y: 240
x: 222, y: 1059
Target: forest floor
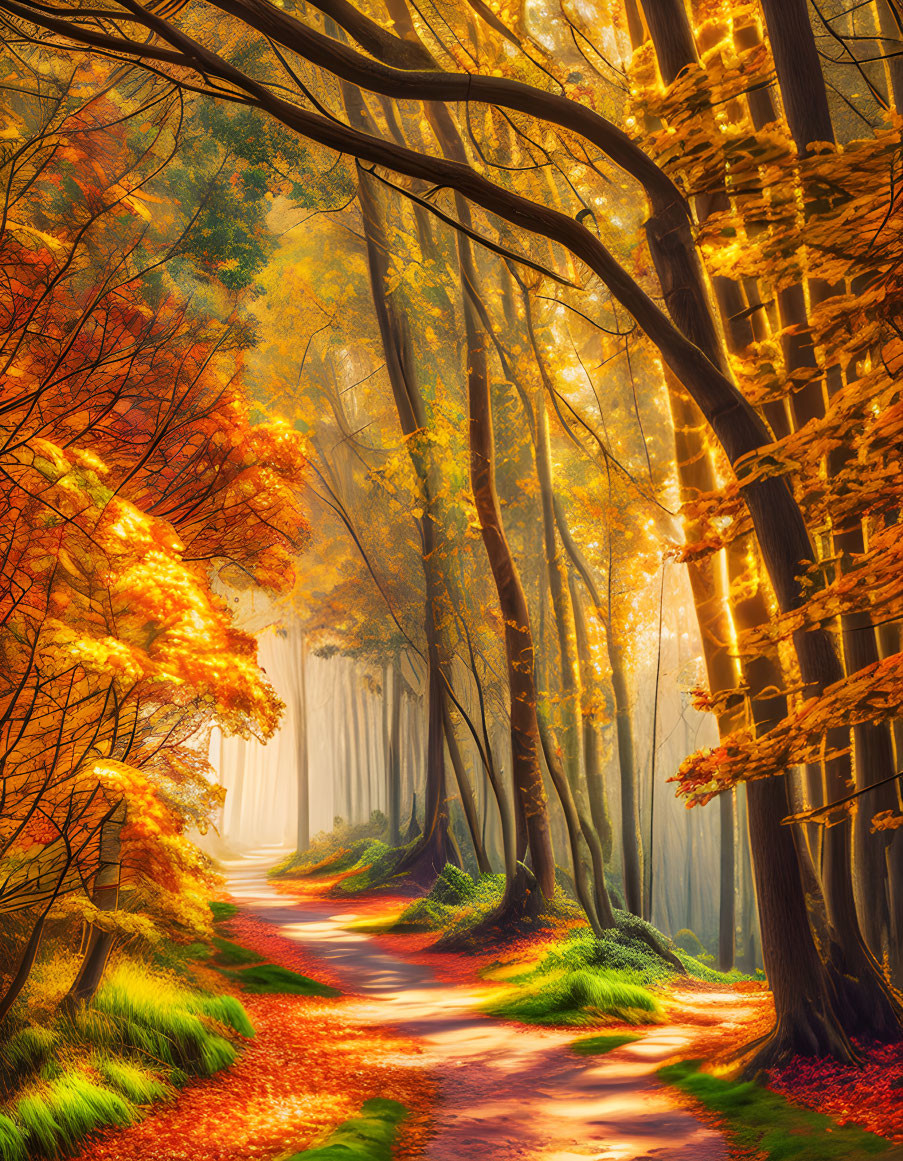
x: 408, y: 1027
x: 504, y: 1092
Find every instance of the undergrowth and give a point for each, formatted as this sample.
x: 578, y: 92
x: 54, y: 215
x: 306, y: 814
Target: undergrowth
x: 577, y: 998
x: 269, y: 978
x: 145, y: 1033
x: 369, y: 1137
x: 333, y: 852
x: 764, y: 1124
x: 585, y: 979
x: 457, y: 903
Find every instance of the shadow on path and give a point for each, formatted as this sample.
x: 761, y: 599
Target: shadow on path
x: 506, y: 1092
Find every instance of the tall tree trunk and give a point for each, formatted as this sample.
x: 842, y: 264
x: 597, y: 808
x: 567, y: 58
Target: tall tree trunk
x: 595, y: 780
x: 302, y: 838
x: 465, y: 790
x: 784, y: 542
x: 570, y: 735
x: 529, y: 790
x: 631, y: 839
x: 392, y: 694
x: 808, y: 114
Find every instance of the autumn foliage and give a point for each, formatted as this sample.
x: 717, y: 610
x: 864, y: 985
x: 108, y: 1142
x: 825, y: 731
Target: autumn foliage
x: 132, y: 485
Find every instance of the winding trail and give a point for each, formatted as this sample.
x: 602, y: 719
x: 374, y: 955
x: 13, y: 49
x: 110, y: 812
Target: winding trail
x: 505, y: 1092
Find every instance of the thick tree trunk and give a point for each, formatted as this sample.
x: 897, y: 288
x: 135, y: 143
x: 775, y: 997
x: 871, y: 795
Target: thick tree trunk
x: 783, y: 540
x: 806, y: 106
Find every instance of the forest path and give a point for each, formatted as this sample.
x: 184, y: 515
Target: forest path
x: 505, y: 1092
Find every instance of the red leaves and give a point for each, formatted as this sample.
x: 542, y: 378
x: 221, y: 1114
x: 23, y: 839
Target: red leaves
x: 870, y: 1096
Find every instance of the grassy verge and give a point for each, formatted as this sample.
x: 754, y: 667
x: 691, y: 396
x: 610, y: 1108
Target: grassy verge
x: 269, y: 978
x: 342, y: 849
x: 150, y: 1028
x: 144, y: 1035
x: 369, y: 1137
x: 767, y: 1125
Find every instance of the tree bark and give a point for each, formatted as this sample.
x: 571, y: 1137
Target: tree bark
x: 392, y: 693
x: 105, y: 896
x: 465, y: 790
x: 529, y: 790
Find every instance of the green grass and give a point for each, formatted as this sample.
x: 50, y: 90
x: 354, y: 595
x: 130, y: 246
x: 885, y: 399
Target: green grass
x: 269, y: 978
x: 599, y: 1045
x: 577, y: 998
x: 369, y: 1137
x: 13, y: 1146
x: 54, y: 1116
x: 222, y: 911
x: 229, y: 953
x: 584, y: 979
x: 135, y: 1083
x: 146, y: 1032
x: 26, y: 1052
x: 763, y: 1122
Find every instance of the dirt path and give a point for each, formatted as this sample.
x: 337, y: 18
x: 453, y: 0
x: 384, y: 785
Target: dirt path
x: 504, y: 1092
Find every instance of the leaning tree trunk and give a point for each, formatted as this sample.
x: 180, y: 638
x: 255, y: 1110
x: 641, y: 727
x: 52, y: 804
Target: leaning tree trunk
x: 428, y: 855
x: 465, y: 791
x: 105, y: 897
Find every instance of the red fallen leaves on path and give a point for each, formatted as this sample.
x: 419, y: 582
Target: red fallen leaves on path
x: 870, y: 1096
x: 310, y: 1067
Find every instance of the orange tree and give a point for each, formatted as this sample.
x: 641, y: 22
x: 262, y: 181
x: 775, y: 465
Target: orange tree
x: 130, y: 475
